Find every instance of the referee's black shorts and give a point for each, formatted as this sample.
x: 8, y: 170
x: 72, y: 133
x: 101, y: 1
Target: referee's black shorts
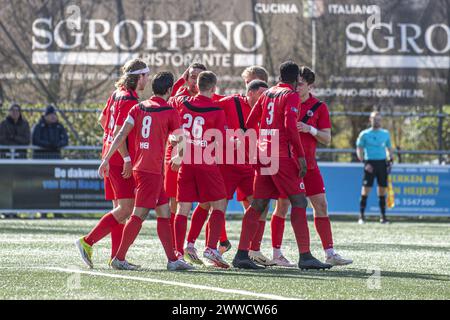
x: 379, y: 171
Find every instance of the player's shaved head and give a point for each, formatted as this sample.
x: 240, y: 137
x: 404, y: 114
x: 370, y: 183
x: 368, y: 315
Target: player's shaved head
x: 206, y: 80
x: 374, y: 114
x: 375, y: 119
x: 162, y: 82
x: 289, y: 72
x: 256, y: 85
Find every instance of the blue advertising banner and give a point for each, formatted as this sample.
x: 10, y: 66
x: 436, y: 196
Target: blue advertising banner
x: 419, y: 190
x: 74, y: 186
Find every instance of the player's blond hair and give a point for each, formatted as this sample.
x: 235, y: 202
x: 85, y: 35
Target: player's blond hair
x: 130, y: 81
x: 256, y: 72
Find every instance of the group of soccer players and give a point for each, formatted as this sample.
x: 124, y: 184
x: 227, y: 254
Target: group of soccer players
x: 169, y: 151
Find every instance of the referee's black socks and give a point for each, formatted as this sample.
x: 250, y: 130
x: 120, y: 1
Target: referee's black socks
x: 383, y: 206
x: 362, y: 206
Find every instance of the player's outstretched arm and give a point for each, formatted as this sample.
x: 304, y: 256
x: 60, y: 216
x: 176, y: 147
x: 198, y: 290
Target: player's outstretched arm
x: 180, y: 82
x: 117, y: 143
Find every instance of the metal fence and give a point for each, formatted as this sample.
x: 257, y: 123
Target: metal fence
x: 83, y: 151
x: 69, y: 152
x: 323, y: 154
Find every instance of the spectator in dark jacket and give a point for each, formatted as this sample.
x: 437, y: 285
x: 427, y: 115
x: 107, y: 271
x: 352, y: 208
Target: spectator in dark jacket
x: 14, y: 131
x: 50, y: 135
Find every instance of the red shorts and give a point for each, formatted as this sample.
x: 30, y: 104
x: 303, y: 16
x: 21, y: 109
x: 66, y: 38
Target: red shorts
x: 149, y: 190
x: 313, y: 183
x: 285, y: 182
x: 200, y: 183
x: 170, y: 181
x: 116, y: 187
x: 240, y: 178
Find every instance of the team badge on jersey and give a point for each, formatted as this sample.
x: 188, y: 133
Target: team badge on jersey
x: 309, y: 113
x: 302, y: 186
x: 294, y: 109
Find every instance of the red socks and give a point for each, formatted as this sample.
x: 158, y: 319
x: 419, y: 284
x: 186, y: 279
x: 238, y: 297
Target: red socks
x: 102, y: 229
x: 163, y: 228
x: 172, y: 228
x: 323, y: 228
x: 180, y: 232
x: 322, y: 224
x: 197, y: 221
x: 301, y: 230
x: 130, y: 233
x: 216, y: 224
x: 223, y: 235
x: 277, y: 230
x: 256, y: 241
x: 249, y: 228
x: 116, y: 238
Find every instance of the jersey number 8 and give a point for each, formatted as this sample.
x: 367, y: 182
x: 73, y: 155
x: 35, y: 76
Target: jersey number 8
x: 146, y: 124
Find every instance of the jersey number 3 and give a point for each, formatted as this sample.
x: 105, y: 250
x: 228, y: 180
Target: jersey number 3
x: 270, y: 110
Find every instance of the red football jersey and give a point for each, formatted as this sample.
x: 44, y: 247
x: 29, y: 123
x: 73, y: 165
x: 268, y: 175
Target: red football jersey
x: 237, y: 109
x: 319, y: 119
x: 177, y: 103
x: 276, y: 111
x: 115, y: 112
x: 153, y: 121
x: 199, y: 114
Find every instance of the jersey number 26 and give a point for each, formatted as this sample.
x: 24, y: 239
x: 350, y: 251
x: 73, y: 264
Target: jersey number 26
x: 196, y: 124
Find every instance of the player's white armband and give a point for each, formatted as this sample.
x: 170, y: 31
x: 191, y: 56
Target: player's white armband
x: 313, y: 130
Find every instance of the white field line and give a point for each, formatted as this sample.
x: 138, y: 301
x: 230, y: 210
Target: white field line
x: 174, y: 283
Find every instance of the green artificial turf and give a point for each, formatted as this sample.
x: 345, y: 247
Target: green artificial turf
x: 411, y: 261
